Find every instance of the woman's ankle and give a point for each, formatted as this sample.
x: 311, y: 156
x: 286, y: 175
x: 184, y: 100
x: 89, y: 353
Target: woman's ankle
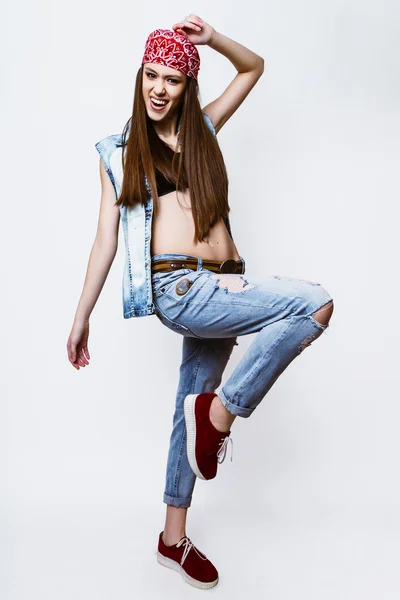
x: 171, y: 538
x: 175, y: 524
x: 220, y: 417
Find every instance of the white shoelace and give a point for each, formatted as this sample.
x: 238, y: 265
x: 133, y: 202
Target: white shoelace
x: 224, y: 446
x: 188, y: 546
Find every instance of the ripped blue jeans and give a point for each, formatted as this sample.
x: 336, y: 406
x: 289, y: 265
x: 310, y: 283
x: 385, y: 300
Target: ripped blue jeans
x: 210, y: 310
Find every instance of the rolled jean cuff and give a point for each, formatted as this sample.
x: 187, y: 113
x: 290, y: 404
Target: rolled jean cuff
x: 178, y: 502
x: 234, y: 409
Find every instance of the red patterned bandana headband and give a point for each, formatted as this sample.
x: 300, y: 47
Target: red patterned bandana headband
x: 172, y: 49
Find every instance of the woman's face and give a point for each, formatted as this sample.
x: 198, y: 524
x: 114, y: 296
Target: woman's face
x: 162, y: 83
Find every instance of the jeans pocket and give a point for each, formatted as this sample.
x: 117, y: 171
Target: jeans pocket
x: 188, y: 284
x: 163, y: 282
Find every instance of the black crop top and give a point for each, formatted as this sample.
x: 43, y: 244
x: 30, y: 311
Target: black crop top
x: 163, y: 185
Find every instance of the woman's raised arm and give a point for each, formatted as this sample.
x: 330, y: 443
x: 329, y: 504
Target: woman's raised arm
x: 250, y: 67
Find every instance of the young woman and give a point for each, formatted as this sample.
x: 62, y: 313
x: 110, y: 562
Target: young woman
x: 165, y: 179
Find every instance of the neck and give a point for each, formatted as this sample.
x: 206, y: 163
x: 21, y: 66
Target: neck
x: 166, y: 130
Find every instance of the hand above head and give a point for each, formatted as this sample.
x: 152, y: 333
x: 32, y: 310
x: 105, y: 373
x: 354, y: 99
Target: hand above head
x: 195, y: 30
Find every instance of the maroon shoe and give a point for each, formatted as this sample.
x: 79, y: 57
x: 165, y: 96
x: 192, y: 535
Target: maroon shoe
x: 192, y: 564
x: 205, y: 445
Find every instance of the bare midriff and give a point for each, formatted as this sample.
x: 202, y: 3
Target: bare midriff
x: 173, y: 231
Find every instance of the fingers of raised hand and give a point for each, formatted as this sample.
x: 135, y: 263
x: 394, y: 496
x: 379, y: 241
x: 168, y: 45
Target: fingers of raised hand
x: 192, y: 22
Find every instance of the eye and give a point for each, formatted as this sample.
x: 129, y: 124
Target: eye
x: 151, y: 75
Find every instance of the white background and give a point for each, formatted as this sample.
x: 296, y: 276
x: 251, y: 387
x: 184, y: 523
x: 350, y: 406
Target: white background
x: 309, y: 507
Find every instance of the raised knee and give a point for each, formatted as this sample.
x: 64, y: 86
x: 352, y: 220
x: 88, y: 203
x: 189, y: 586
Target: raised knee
x: 324, y: 313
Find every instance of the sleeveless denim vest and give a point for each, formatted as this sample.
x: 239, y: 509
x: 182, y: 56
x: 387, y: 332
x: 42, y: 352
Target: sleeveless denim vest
x: 137, y: 294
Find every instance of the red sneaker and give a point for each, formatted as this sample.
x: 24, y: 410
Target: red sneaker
x: 205, y: 445
x: 192, y: 564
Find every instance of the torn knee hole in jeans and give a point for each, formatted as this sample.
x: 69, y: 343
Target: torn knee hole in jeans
x: 231, y: 282
x: 324, y: 313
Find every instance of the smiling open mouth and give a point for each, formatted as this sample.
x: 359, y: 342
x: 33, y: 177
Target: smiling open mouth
x: 158, y: 104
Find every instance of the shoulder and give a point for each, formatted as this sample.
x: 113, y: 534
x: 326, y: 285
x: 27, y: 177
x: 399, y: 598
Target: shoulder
x: 109, y: 149
x: 110, y: 152
x: 109, y: 143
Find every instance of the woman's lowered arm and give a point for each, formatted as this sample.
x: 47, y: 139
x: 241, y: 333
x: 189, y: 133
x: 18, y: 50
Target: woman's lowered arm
x: 100, y: 260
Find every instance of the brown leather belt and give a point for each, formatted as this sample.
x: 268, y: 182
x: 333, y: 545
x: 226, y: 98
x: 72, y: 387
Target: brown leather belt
x: 227, y: 266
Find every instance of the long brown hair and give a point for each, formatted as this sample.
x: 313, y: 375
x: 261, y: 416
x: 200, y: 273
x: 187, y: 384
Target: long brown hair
x: 201, y: 166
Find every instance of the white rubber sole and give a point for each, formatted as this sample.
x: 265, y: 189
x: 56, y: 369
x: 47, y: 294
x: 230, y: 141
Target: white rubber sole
x: 172, y: 564
x: 188, y: 406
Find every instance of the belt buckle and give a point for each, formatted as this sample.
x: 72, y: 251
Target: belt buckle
x: 228, y: 266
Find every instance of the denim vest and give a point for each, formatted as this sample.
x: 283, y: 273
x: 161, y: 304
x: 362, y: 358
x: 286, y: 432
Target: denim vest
x: 137, y: 294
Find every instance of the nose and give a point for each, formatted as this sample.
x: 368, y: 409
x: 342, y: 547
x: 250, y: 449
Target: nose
x: 159, y: 88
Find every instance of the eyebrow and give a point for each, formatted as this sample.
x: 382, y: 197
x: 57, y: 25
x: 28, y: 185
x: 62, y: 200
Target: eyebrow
x: 170, y: 75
